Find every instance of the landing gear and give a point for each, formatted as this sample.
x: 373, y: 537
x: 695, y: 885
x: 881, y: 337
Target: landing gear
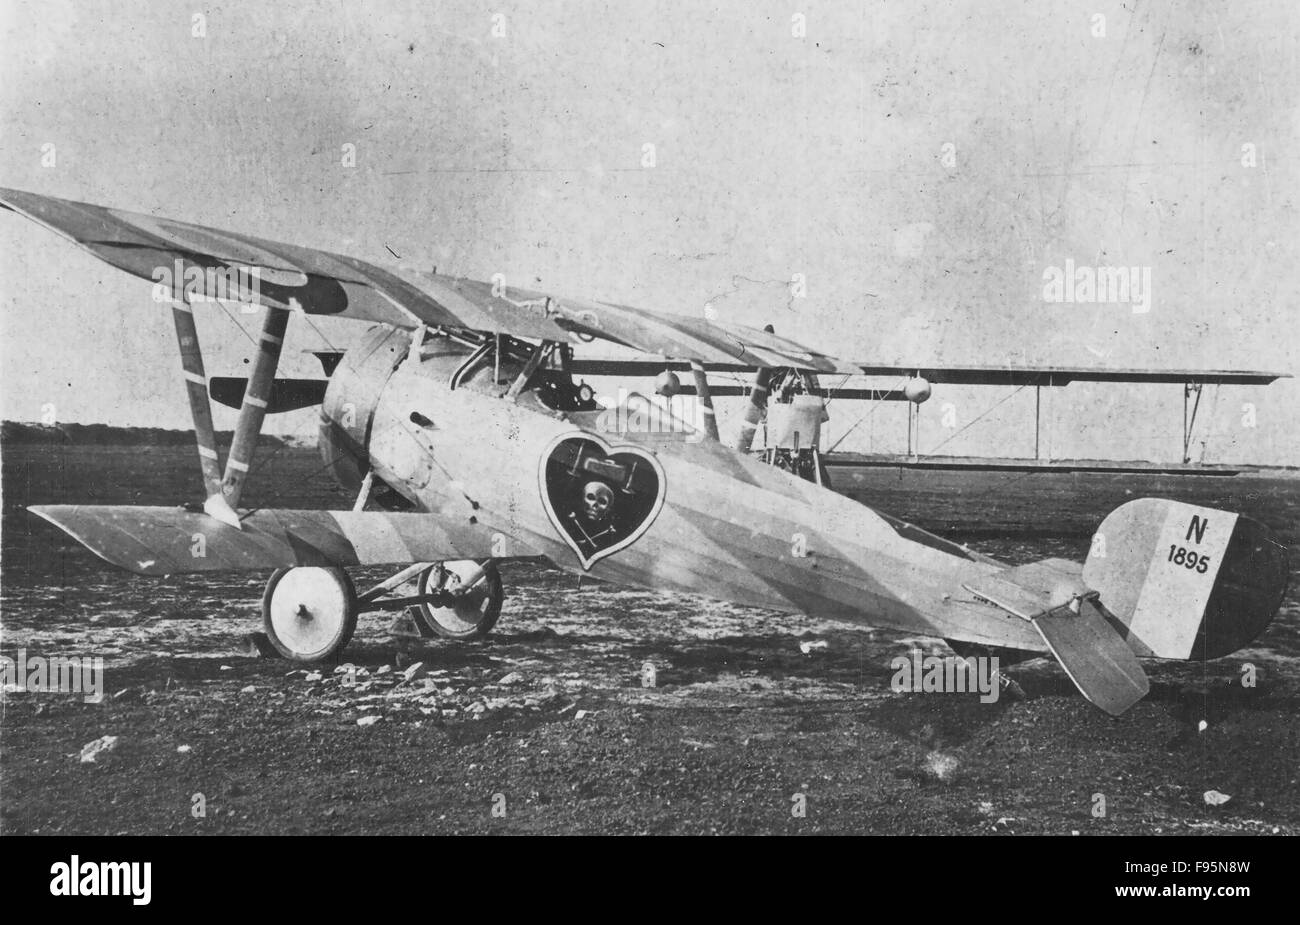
x: 309, y: 614
x: 460, y: 600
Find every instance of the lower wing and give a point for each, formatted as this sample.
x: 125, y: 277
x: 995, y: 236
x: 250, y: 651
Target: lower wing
x: 169, y: 540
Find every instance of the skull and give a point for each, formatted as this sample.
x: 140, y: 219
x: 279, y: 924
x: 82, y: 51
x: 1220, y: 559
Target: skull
x: 596, y: 502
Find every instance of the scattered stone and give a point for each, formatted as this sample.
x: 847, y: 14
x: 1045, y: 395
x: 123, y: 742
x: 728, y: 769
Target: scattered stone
x: 368, y: 720
x: 183, y: 749
x: 939, y: 766
x: 101, y: 746
x: 511, y: 679
x: 807, y: 647
x: 314, y: 676
x: 248, y: 690
x: 1215, y: 798
x: 383, y: 669
x: 580, y: 714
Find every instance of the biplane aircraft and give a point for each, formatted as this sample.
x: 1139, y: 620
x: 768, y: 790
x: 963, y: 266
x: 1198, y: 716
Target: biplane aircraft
x: 457, y: 420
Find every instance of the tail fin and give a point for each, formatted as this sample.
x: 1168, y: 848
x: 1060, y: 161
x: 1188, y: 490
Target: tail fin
x: 1186, y: 582
x: 1163, y: 579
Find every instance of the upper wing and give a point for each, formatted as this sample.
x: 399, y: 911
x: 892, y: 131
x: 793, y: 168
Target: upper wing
x: 323, y: 283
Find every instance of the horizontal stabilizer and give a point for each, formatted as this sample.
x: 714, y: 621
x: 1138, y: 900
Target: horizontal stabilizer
x: 1030, y: 590
x: 169, y: 540
x: 286, y: 394
x: 1095, y: 656
x: 1051, y: 595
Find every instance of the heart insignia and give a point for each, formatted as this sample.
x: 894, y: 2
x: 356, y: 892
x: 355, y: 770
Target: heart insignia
x: 601, y: 498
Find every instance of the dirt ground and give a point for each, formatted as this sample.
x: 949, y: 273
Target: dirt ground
x: 549, y: 725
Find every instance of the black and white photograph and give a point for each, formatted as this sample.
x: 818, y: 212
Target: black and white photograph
x: 602, y: 418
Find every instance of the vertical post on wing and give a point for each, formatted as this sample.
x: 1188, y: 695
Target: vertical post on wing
x: 706, y: 398
x: 755, y: 409
x: 256, y: 396
x: 196, y: 386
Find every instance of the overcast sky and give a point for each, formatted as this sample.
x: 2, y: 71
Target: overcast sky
x: 921, y: 164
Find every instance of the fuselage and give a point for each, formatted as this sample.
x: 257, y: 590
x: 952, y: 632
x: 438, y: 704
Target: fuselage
x: 678, y: 512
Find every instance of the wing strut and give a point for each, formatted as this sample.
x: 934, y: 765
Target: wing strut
x: 530, y: 369
x: 196, y: 385
x: 253, y: 410
x: 755, y: 410
x: 706, y: 398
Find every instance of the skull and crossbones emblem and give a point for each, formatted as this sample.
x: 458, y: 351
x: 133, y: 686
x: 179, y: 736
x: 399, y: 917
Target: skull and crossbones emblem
x: 597, y: 502
x: 593, y: 515
x: 600, y: 498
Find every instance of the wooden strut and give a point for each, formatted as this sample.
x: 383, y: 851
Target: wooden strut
x: 754, y: 409
x: 257, y: 394
x: 196, y: 387
x: 530, y: 369
x: 706, y: 399
x: 1189, y: 421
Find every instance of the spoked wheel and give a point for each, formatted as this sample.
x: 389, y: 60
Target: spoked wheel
x: 309, y: 613
x: 460, y: 616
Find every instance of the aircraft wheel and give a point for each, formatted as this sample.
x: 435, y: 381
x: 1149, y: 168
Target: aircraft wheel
x: 470, y: 616
x: 309, y: 613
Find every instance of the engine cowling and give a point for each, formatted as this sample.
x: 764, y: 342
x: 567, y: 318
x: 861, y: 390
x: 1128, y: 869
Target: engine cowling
x: 348, y: 410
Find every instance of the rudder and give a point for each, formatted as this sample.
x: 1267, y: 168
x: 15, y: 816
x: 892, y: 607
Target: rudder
x: 1185, y: 581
